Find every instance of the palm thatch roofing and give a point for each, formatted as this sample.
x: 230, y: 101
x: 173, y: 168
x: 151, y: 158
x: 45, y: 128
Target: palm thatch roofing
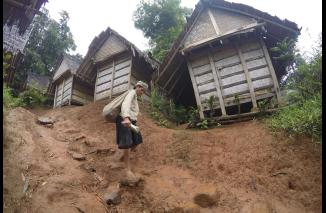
x: 20, y: 12
x: 275, y: 30
x: 72, y: 63
x: 87, y: 66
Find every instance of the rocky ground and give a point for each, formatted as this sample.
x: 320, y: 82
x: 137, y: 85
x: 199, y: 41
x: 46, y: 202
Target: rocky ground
x: 69, y: 167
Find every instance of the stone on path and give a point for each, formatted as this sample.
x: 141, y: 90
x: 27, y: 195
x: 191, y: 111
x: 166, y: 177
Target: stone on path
x: 77, y: 156
x: 113, y: 195
x: 44, y: 120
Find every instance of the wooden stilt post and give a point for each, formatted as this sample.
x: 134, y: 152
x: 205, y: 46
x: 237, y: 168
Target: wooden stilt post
x: 272, y: 72
x: 194, y: 85
x: 249, y: 82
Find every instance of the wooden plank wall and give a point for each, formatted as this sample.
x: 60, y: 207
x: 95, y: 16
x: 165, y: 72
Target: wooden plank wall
x: 230, y: 75
x: 118, y: 69
x: 63, y: 91
x: 81, y: 94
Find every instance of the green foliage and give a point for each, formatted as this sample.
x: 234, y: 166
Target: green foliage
x: 162, y: 107
x: 161, y: 21
x: 193, y: 117
x: 285, y: 51
x: 211, y: 105
x: 306, y: 81
x: 237, y: 101
x: 305, y: 118
x: 5, y: 63
x: 48, y: 40
x: 9, y: 101
x: 33, y: 97
x: 304, y: 115
x: 203, y: 124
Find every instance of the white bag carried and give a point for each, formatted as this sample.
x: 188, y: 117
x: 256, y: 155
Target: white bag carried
x: 113, y: 109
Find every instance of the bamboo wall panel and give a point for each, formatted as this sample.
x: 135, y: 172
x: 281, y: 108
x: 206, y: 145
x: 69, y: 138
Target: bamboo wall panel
x: 224, y: 53
x: 253, y: 54
x: 259, y: 72
x: 104, y: 79
x: 230, y: 70
x: 121, y: 72
x: 121, y: 80
x: 233, y: 79
x: 111, y: 46
x: 199, y: 61
x: 121, y: 77
x: 241, y: 88
x: 205, y: 97
x: 202, y: 29
x: 204, y: 78
x: 102, y: 87
x: 227, y: 21
x: 64, y: 89
x: 263, y: 83
x: 122, y: 64
x: 227, y: 61
x: 256, y: 63
x: 102, y: 95
x: 202, y: 70
x: 119, y: 89
x: 230, y: 74
x: 206, y: 87
x: 105, y: 72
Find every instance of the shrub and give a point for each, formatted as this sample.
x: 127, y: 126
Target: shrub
x: 34, y: 97
x: 162, y: 107
x: 305, y: 118
x: 9, y: 101
x: 304, y: 115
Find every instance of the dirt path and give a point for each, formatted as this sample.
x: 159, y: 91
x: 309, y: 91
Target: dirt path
x: 243, y: 167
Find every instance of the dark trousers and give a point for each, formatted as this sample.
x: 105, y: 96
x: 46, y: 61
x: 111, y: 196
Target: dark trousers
x: 126, y: 138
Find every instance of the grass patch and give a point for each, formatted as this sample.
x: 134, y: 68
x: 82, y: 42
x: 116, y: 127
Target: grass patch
x: 300, y: 119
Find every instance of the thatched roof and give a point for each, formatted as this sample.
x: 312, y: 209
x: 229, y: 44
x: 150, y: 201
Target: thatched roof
x: 277, y: 29
x: 20, y: 12
x: 72, y: 63
x: 86, y: 68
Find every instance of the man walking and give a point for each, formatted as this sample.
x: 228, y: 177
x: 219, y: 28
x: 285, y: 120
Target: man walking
x: 127, y: 138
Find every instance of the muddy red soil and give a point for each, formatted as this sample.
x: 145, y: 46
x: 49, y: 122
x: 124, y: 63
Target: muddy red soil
x: 244, y: 166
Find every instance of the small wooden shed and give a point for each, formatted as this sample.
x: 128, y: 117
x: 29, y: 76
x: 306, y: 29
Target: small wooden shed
x: 223, y: 55
x: 113, y: 65
x: 67, y: 87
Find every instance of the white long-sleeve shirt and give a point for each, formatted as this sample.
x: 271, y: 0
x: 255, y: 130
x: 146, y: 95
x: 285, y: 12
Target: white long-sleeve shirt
x: 129, y: 107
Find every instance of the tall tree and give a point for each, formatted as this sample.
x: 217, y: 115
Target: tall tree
x: 47, y: 41
x: 161, y: 21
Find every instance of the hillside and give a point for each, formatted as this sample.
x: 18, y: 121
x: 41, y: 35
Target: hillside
x: 246, y: 167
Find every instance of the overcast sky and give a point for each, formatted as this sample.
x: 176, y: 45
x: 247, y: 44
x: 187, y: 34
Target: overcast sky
x: 90, y: 18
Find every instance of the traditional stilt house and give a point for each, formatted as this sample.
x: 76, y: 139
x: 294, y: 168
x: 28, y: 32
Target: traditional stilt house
x: 67, y: 87
x: 113, y: 65
x: 222, y: 58
x: 16, y: 20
